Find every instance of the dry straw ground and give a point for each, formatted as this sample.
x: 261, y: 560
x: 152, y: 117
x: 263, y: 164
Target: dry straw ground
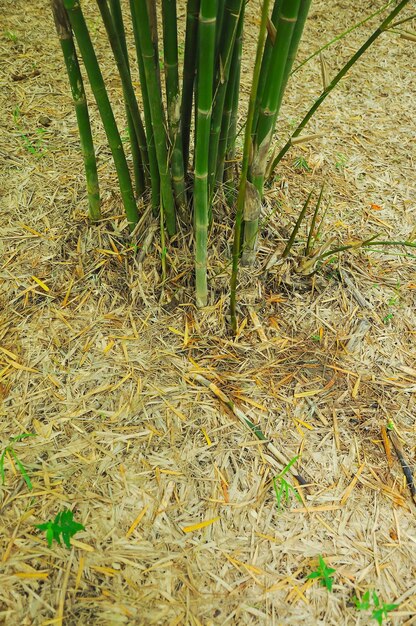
x: 97, y: 360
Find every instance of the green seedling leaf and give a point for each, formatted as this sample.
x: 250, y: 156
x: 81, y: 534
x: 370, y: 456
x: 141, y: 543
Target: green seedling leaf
x: 323, y: 573
x: 364, y: 604
x: 382, y: 612
x: 22, y: 469
x: 301, y: 164
x: 22, y: 436
x: 11, y: 451
x: 63, y: 525
x: 282, y: 488
x: 2, y: 474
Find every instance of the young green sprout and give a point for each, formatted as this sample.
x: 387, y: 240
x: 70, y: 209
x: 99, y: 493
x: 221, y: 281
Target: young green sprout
x: 282, y: 488
x: 11, y: 453
x: 64, y: 525
x: 323, y: 573
x: 380, y: 611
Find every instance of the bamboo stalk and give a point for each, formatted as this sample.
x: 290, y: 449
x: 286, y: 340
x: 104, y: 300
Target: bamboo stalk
x: 156, y: 112
x: 128, y: 92
x: 206, y: 58
x: 245, y: 164
x: 95, y: 77
x: 153, y: 167
x: 265, y: 62
x: 271, y: 98
x: 138, y: 170
x: 231, y: 17
x: 232, y: 102
x: 170, y: 48
x: 376, y: 34
x: 293, y: 49
x: 219, y: 27
x: 189, y: 68
x: 66, y: 41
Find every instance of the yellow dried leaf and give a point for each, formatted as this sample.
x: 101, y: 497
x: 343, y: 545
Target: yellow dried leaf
x: 41, y: 283
x: 193, y: 527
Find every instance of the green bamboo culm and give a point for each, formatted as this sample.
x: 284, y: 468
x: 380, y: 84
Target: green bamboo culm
x: 153, y: 167
x: 189, y: 68
x: 95, y: 77
x: 231, y: 15
x: 228, y: 134
x: 143, y: 26
x: 242, y: 189
x: 66, y: 41
x: 269, y: 108
x: 265, y: 62
x: 206, y: 59
x: 128, y: 91
x: 170, y: 48
x: 138, y: 170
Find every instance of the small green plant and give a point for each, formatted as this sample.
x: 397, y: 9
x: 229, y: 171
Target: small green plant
x: 64, y: 525
x: 380, y: 611
x: 341, y: 161
x: 392, y: 302
x: 323, y: 573
x: 316, y: 338
x: 35, y: 147
x: 7, y: 34
x: 301, y: 164
x: 387, y: 318
x: 9, y: 450
x: 282, y: 488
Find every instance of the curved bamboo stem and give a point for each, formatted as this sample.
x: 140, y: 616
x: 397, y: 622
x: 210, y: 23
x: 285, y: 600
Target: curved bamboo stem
x: 271, y: 98
x: 231, y: 17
